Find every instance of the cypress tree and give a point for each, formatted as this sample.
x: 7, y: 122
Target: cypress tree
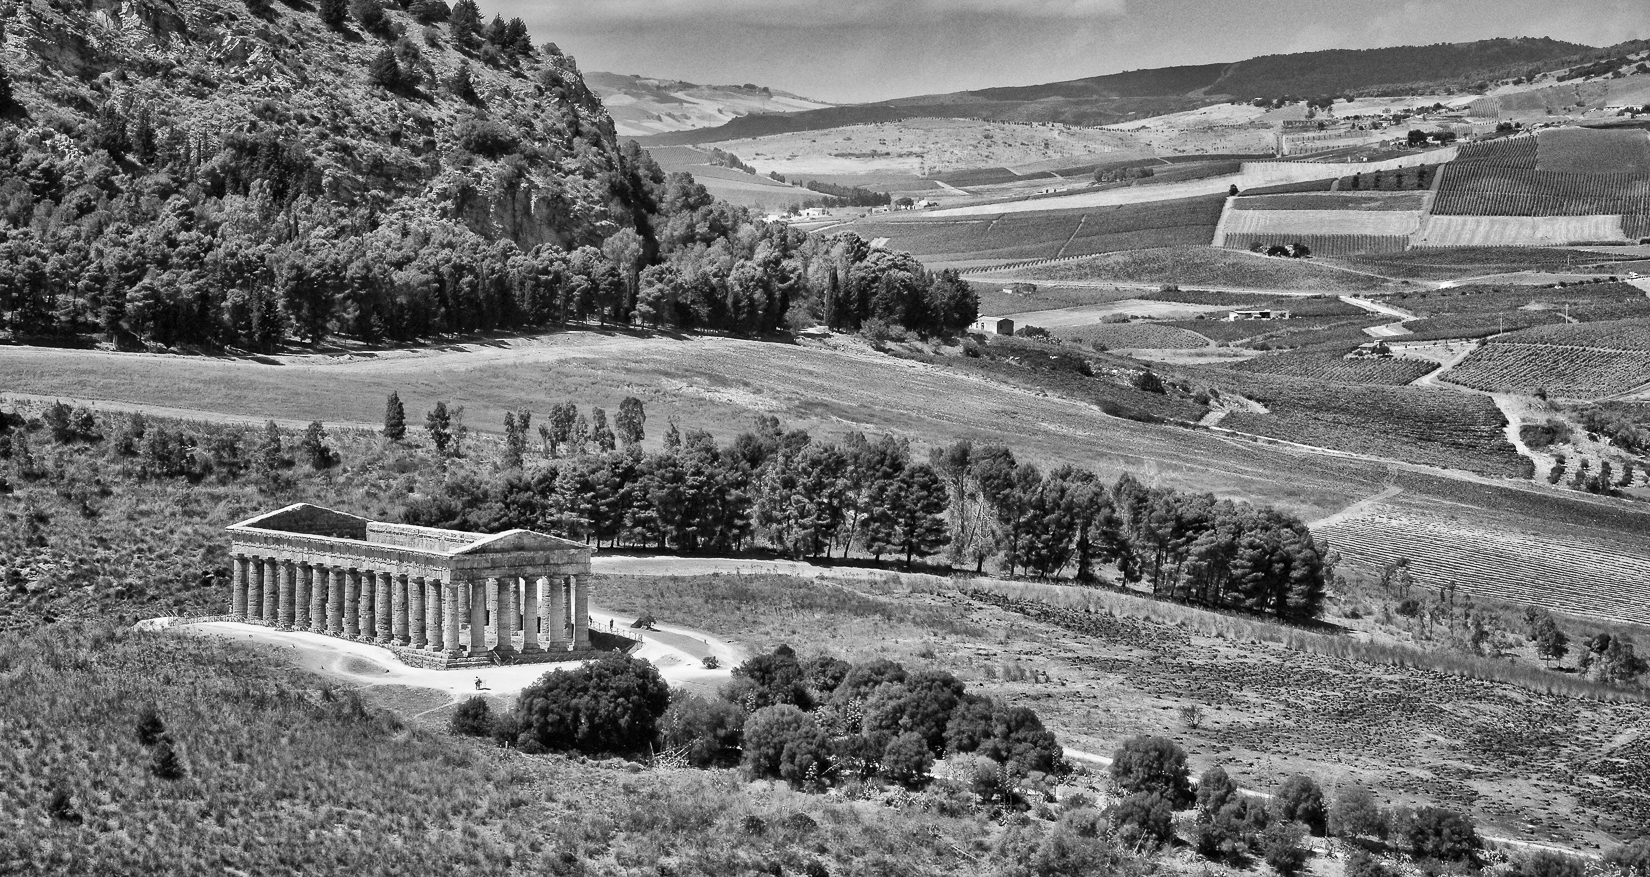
x: 333, y: 13
x: 385, y: 70
x: 439, y: 423
x: 5, y: 89
x: 395, y: 418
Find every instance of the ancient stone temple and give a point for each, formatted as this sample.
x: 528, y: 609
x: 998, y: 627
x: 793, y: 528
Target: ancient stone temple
x: 437, y: 598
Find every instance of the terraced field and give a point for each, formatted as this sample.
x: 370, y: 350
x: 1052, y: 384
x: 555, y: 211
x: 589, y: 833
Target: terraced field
x: 1322, y: 244
x: 1570, y: 372
x: 1337, y: 368
x: 1205, y: 266
x: 1477, y: 230
x: 1048, y: 234
x: 1570, y: 574
x: 1143, y: 336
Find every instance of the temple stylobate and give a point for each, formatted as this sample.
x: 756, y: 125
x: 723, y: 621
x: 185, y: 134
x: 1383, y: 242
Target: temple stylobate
x: 437, y: 597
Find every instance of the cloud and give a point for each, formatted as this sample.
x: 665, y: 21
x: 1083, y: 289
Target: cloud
x: 812, y: 13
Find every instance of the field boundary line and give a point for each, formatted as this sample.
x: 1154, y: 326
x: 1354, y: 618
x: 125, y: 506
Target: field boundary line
x: 1060, y: 253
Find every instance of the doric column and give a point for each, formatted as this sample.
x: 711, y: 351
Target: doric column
x: 411, y: 614
x: 272, y: 591
x: 530, y: 616
x: 254, y: 589
x: 300, y: 596
x: 352, y: 603
x: 384, y: 608
x: 237, y: 589
x: 555, y: 620
x: 506, y: 620
x: 478, y: 616
x: 317, y: 576
x: 449, y: 615
x: 369, y: 584
x: 581, y: 613
x: 336, y: 600
x: 418, y: 612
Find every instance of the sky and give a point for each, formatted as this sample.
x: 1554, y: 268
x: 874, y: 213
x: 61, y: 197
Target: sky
x: 866, y: 50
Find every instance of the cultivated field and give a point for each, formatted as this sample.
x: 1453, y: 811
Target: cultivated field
x: 1328, y: 222
x: 1019, y: 236
x: 1574, y: 575
x: 1335, y: 367
x: 1517, y: 231
x: 1459, y: 263
x: 1205, y: 266
x: 1315, y: 201
x: 1145, y: 336
x: 1582, y: 361
x: 1587, y: 151
x: 1320, y: 244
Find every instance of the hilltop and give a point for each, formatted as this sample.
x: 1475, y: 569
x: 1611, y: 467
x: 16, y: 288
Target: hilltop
x: 1117, y: 97
x: 641, y: 106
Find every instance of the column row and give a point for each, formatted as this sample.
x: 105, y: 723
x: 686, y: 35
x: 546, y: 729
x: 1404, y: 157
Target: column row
x: 367, y: 605
x: 549, y: 613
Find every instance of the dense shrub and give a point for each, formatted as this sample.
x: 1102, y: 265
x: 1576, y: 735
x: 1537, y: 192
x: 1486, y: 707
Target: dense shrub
x: 785, y: 742
x: 473, y: 718
x: 1300, y: 800
x: 612, y: 704
x: 1360, y: 863
x: 922, y: 705
x: 1546, y: 863
x: 1355, y: 814
x: 1214, y: 791
x: 486, y: 137
x: 1153, y: 764
x: 1282, y: 848
x: 707, y: 731
x: 1633, y: 857
x: 766, y: 680
x: 907, y: 761
x: 1143, y: 819
x: 1445, y: 835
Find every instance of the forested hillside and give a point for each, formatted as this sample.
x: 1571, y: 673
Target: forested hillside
x: 208, y: 172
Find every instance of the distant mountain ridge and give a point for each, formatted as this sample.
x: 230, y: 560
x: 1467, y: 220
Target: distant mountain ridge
x: 1116, y: 97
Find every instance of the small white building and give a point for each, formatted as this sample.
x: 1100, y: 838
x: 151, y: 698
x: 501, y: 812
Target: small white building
x: 994, y: 325
x: 1236, y: 316
x: 815, y: 213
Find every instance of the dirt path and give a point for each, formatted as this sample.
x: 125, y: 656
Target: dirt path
x: 1388, y: 330
x: 1357, y: 508
x: 1512, y: 409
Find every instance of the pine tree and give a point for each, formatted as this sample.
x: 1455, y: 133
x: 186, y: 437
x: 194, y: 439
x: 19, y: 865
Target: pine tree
x: 630, y: 422
x: 395, y: 418
x: 600, y: 433
x: 673, y: 438
x: 150, y: 729
x: 463, y: 84
x: 385, y: 70
x: 270, y: 454
x: 464, y: 22
x: 439, y: 424
x: 333, y: 12
x: 166, y: 764
x: 315, y: 447
x: 512, y: 445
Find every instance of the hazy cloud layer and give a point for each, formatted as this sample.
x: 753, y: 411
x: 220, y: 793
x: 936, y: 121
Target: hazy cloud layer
x: 862, y: 50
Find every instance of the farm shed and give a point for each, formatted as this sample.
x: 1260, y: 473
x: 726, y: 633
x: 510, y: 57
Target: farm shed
x: 1235, y: 316
x: 994, y: 326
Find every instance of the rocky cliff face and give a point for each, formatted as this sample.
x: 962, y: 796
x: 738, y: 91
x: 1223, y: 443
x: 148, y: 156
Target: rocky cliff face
x: 529, y: 155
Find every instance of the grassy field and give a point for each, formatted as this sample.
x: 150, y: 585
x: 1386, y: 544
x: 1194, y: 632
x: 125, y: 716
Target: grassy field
x: 1380, y: 223
x: 1205, y: 266
x: 1518, y: 231
x: 702, y: 383
x: 1360, y: 201
x: 1138, y: 335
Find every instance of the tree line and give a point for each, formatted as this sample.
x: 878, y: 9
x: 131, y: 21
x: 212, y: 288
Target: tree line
x: 805, y: 497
